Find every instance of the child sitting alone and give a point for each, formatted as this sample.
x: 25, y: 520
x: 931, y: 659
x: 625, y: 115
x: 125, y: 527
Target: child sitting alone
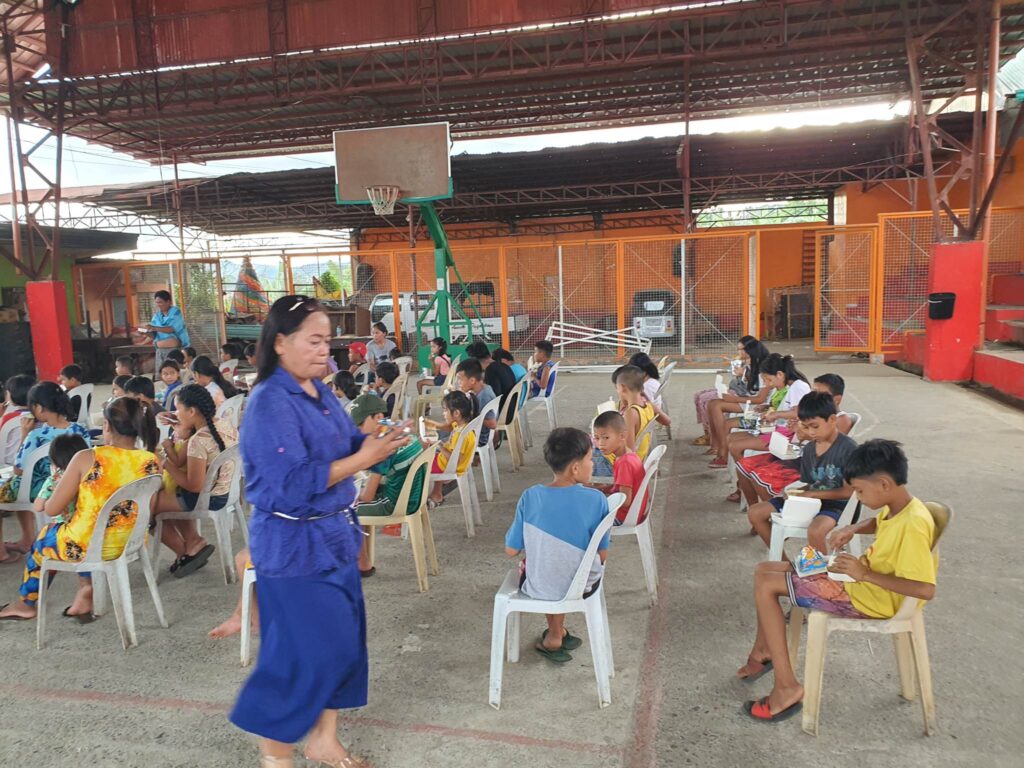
x: 627, y: 469
x: 553, y: 527
x: 897, y: 565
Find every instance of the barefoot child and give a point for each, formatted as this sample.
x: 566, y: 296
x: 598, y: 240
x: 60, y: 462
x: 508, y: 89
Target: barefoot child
x: 552, y: 529
x: 898, y: 564
x: 627, y: 469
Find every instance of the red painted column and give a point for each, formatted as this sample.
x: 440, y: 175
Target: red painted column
x: 950, y: 344
x: 51, y: 329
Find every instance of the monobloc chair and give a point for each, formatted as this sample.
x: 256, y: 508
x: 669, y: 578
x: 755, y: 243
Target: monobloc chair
x: 545, y: 399
x: 231, y: 410
x: 509, y: 426
x: 421, y: 535
x: 647, y: 431
x: 781, y: 531
x: 666, y: 377
x: 488, y: 456
x: 404, y: 363
x: 509, y: 602
x: 397, y: 389
x: 222, y: 519
x: 362, y: 374
x: 115, y: 572
x: 228, y: 368
x: 642, y: 529
x: 10, y: 441
x: 906, y: 628
x: 434, y: 394
x: 24, y: 503
x: 84, y: 391
x: 855, y: 419
x: 466, y: 481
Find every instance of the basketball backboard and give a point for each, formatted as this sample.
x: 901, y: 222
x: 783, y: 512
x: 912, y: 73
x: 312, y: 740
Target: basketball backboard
x: 413, y: 158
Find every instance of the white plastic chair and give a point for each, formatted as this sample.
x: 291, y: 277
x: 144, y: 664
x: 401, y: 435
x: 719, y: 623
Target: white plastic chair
x: 141, y: 492
x: 24, y: 502
x: 248, y: 582
x: 642, y: 530
x: 466, y: 481
x: 509, y: 602
x: 666, y: 377
x: 10, y: 441
x: 546, y: 400
x: 647, y: 431
x: 362, y: 374
x: 906, y: 628
x: 84, y: 391
x: 522, y: 416
x: 510, y: 427
x: 404, y: 363
x: 222, y: 519
x: 228, y: 368
x: 397, y: 389
x: 855, y: 419
x: 231, y: 410
x: 781, y: 531
x: 421, y: 535
x: 488, y: 456
x: 434, y: 393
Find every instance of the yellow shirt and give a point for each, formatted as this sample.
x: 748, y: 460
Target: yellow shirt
x: 468, y: 447
x: 903, y: 548
x: 646, y: 414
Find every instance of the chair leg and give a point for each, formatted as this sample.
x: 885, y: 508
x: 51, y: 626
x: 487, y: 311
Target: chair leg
x: 242, y: 523
x: 246, y: 632
x: 147, y: 571
x: 41, y: 609
x: 924, y: 672
x: 905, y: 665
x: 474, y: 496
x: 607, y: 635
x: 777, y: 542
x: 492, y: 456
x: 814, y: 669
x: 117, y: 601
x: 599, y: 651
x: 100, y: 588
x: 549, y: 404
x: 418, y: 557
x: 647, y: 559
x: 158, y: 531
x: 428, y: 540
x: 498, y: 630
x: 222, y: 532
x: 371, y: 546
x: 467, y: 505
x: 525, y: 422
x: 796, y: 625
x: 124, y: 584
x: 513, y: 637
x: 485, y: 470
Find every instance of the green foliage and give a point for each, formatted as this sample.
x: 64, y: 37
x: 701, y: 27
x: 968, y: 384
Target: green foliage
x: 329, y: 281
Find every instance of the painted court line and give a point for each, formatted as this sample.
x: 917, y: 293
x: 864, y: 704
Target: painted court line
x: 153, y: 702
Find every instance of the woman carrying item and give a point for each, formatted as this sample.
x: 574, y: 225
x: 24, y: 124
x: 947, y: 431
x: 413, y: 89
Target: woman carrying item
x: 299, y: 452
x: 167, y: 328
x: 90, y: 479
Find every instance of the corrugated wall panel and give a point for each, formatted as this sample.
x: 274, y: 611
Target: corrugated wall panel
x: 326, y: 23
x: 188, y: 31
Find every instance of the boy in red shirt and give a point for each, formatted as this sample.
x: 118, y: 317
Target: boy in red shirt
x: 627, y: 469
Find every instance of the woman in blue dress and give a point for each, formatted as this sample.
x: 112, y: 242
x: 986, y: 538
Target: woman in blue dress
x: 300, y: 451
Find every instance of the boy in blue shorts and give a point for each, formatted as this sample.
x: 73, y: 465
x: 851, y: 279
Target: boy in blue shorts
x: 553, y: 527
x: 821, y: 469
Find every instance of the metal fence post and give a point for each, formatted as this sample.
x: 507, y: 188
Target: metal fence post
x: 620, y: 291
x: 506, y: 336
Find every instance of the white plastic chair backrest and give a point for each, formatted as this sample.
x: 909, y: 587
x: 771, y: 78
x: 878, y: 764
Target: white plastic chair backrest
x: 229, y: 454
x: 549, y: 391
x: 854, y: 421
x: 231, y: 410
x: 662, y: 363
x: 28, y: 466
x: 579, y: 581
x: 165, y: 431
x: 397, y: 389
x: 846, y: 518
x: 422, y: 463
x: 449, y: 379
x: 228, y: 367
x: 10, y: 441
x: 84, y: 391
x: 510, y: 407
x: 141, y: 492
x: 778, y: 443
x: 362, y: 371
x: 453, y: 460
x: 489, y: 411
x: 650, y: 483
x: 942, y: 515
x: 647, y: 431
x: 665, y: 376
x: 524, y: 394
x: 720, y: 384
x: 404, y: 363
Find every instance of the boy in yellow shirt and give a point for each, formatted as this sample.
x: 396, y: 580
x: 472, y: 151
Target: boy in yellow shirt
x: 898, y: 564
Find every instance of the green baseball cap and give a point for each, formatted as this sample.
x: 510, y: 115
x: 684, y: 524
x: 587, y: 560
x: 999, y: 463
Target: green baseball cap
x: 366, y: 405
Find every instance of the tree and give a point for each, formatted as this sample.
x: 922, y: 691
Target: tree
x: 329, y: 282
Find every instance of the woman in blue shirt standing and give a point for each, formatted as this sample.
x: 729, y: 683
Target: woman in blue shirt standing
x: 300, y: 450
x: 167, y: 328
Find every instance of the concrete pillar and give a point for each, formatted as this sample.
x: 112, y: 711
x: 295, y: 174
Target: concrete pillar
x: 51, y: 329
x: 950, y: 344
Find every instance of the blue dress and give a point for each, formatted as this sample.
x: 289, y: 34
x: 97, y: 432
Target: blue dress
x: 312, y: 653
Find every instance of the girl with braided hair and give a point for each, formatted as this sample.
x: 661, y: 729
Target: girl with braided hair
x: 204, y: 438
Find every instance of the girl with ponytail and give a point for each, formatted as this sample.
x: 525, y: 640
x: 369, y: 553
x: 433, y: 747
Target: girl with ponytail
x: 91, y: 478
x: 204, y: 439
x: 712, y: 408
x: 208, y: 375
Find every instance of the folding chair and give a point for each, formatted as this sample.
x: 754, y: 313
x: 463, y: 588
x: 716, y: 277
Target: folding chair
x: 906, y: 628
x: 509, y: 602
x: 141, y: 492
x: 222, y: 519
x: 421, y: 535
x: 642, y: 529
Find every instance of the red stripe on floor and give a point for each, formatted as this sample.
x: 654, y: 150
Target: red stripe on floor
x: 151, y: 702
x: 650, y: 687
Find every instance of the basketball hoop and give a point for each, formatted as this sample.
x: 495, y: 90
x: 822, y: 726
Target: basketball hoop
x: 383, y: 198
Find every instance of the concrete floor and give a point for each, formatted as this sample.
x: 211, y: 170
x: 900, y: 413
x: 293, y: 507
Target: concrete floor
x: 83, y: 701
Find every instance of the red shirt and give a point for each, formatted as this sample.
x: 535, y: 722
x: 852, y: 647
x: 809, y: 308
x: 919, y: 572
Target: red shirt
x: 628, y: 472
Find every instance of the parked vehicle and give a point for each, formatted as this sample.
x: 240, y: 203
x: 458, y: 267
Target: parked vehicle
x: 479, y: 293
x: 656, y: 314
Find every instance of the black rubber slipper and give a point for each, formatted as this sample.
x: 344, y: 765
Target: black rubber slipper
x: 81, y: 618
x: 765, y: 716
x: 368, y: 572
x: 189, y: 564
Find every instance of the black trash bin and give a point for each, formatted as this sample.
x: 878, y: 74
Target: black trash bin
x: 940, y: 305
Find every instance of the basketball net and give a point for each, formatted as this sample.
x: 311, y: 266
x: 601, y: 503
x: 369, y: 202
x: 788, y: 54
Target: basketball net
x: 383, y: 198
